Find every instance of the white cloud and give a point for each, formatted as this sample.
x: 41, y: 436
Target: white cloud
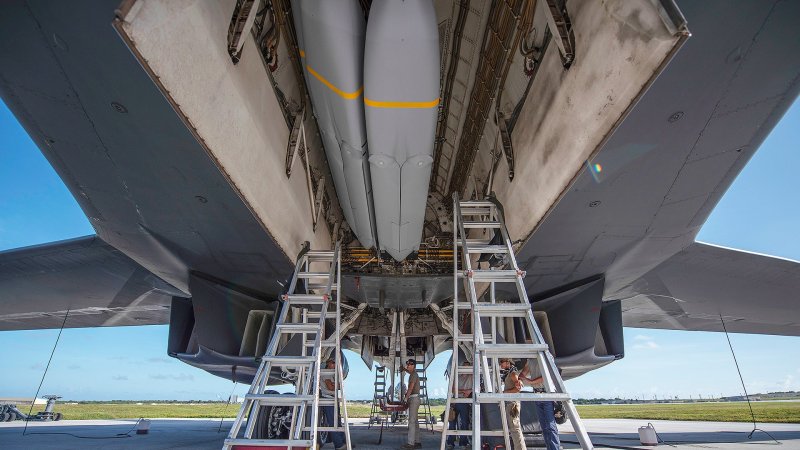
x: 646, y: 345
x: 177, y: 377
x: 644, y: 342
x: 789, y: 383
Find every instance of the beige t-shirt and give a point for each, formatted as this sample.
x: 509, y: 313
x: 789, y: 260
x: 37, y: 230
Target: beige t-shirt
x: 465, y: 382
x: 413, y: 378
x: 534, y: 373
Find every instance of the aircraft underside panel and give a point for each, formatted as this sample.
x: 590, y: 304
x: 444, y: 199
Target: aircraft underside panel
x: 84, y: 280
x: 233, y: 110
x: 704, y: 285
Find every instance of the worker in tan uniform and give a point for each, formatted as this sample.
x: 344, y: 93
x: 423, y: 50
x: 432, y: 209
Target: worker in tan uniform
x: 412, y: 399
x: 512, y: 384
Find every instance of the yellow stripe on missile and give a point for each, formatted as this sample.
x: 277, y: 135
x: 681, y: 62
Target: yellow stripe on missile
x: 339, y: 92
x: 394, y: 104
x: 302, y: 54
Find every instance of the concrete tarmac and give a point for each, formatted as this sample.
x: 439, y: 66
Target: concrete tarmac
x: 206, y: 434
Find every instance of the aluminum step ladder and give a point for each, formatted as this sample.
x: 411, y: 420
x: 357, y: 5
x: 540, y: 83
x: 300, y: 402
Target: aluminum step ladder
x: 313, y: 296
x: 380, y: 392
x: 424, y: 417
x: 485, y: 218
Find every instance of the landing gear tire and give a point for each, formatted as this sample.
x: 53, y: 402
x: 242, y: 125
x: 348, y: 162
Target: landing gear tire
x: 273, y: 421
x: 5, y: 417
x: 57, y: 416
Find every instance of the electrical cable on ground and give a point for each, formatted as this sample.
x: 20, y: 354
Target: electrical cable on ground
x: 116, y: 436
x: 658, y: 437
x: 41, y: 382
x: 52, y: 352
x: 746, y: 396
x: 225, y: 408
x: 623, y: 447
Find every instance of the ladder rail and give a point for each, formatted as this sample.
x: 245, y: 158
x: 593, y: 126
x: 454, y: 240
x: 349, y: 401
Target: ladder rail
x: 298, y: 318
x: 487, y: 350
x: 339, y: 377
x: 317, y: 352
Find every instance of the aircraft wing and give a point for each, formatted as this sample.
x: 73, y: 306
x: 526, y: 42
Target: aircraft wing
x: 97, y: 283
x: 753, y: 293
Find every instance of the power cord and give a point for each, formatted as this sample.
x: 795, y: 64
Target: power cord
x: 225, y: 408
x: 52, y: 352
x: 658, y: 437
x: 746, y: 396
x: 116, y: 436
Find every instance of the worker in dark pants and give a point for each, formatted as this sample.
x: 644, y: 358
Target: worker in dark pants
x: 463, y: 387
x: 327, y: 390
x: 544, y: 410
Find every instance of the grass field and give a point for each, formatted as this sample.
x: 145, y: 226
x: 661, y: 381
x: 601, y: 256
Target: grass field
x: 786, y: 412
x: 779, y: 412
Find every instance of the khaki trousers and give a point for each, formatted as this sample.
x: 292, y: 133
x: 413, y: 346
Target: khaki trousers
x: 413, y: 420
x: 514, y: 427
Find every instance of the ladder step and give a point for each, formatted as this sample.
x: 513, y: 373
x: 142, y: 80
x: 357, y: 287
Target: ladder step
x: 460, y: 400
x: 502, y: 309
x: 468, y: 337
x: 320, y: 255
x: 481, y: 224
x: 469, y: 433
x: 321, y: 428
x: 269, y: 443
x: 474, y: 242
x: 307, y: 275
x: 305, y: 299
x: 485, y: 248
x: 488, y: 397
x: 281, y: 360
x: 497, y: 276
x: 334, y: 286
x: 279, y: 399
x: 476, y: 211
x: 298, y: 327
x: 513, y: 350
x: 475, y: 204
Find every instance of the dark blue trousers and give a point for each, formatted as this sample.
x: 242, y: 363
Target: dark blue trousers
x: 547, y: 420
x: 328, y: 420
x: 462, y: 420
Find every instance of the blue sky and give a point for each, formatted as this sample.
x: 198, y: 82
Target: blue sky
x: 758, y: 213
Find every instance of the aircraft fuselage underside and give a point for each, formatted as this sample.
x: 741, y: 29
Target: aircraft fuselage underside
x: 206, y: 141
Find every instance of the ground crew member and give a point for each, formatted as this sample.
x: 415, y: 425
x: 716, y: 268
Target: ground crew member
x: 511, y: 384
x: 412, y: 400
